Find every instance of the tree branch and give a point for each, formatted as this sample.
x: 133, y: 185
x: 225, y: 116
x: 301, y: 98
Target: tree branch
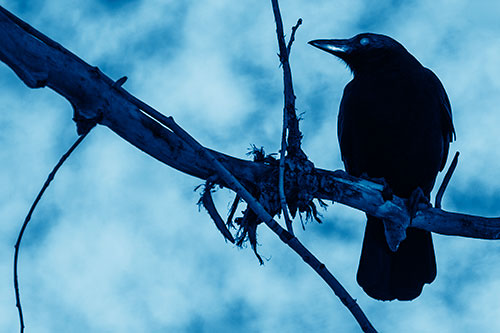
x: 91, y: 93
x: 292, y: 36
x: 289, y: 115
x: 285, y: 236
x: 367, y: 196
x: 294, y: 135
x: 446, y: 180
x: 290, y: 121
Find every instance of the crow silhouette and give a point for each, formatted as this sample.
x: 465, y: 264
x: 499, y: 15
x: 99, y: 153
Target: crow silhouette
x: 394, y: 123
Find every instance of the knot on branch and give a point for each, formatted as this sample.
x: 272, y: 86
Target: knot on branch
x: 301, y: 183
x: 84, y: 123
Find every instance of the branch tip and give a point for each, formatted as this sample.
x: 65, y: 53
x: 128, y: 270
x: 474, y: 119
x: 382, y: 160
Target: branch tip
x: 118, y: 83
x: 292, y: 37
x: 446, y: 180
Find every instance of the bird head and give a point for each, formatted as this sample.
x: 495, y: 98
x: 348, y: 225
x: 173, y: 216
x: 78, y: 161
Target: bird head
x: 366, y: 51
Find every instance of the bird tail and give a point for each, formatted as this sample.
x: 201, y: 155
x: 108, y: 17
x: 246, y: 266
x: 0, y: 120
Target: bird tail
x: 387, y: 275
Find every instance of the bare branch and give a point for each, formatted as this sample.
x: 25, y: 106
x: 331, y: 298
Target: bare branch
x: 290, y: 122
x: 92, y: 91
x: 292, y: 36
x: 208, y: 203
x: 38, y: 64
x: 367, y: 196
x: 232, y: 211
x: 28, y: 218
x: 286, y: 237
x: 286, y: 117
x: 294, y: 135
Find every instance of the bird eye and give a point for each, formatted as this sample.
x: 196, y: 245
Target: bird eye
x: 364, y: 41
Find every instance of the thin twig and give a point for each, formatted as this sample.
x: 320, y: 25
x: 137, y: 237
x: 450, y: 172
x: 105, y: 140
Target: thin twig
x: 281, y: 182
x: 28, y: 218
x: 446, y: 180
x: 288, y: 111
x: 292, y: 36
x: 285, y: 236
x: 232, y: 211
x: 209, y: 205
x: 294, y: 135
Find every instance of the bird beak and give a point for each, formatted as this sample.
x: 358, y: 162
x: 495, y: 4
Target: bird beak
x: 337, y: 47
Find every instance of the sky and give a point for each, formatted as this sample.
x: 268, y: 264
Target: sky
x: 118, y: 244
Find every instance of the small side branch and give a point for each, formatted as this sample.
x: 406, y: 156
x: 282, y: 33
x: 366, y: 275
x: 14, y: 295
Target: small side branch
x: 208, y: 203
x: 292, y: 36
x: 232, y: 211
x: 286, y: 116
x: 28, y: 218
x: 294, y: 135
x: 446, y: 180
x: 290, y: 122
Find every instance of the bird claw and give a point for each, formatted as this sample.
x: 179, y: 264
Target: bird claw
x: 417, y: 201
x: 387, y: 193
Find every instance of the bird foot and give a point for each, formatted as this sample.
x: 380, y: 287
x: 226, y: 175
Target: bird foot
x: 386, y: 191
x: 417, y: 201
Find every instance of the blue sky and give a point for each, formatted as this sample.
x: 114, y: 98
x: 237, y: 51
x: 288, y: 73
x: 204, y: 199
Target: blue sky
x: 118, y: 244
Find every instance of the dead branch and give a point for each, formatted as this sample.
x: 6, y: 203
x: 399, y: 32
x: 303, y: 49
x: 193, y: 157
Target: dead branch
x: 28, y: 218
x: 92, y: 94
x: 292, y: 36
x: 290, y: 121
x: 294, y: 135
x: 208, y: 203
x: 446, y: 180
x: 285, y: 236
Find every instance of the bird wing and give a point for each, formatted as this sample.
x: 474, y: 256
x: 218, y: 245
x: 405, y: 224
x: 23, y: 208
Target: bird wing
x: 446, y: 117
x: 340, y: 135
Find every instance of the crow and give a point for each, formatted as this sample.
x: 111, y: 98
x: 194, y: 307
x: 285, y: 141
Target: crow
x: 394, y: 123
